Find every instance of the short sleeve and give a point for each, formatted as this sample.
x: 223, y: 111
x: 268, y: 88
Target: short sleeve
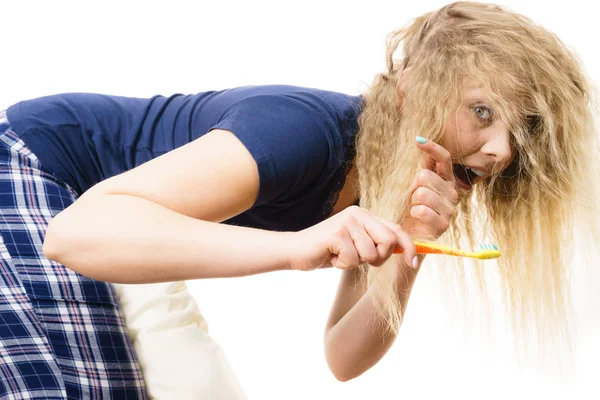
x: 292, y: 141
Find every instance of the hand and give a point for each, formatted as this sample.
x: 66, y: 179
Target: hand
x: 434, y: 196
x: 347, y: 240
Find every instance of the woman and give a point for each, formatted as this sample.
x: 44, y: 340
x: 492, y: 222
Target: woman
x: 259, y: 179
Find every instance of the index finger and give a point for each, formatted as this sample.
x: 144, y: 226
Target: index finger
x: 441, y: 157
x: 406, y: 244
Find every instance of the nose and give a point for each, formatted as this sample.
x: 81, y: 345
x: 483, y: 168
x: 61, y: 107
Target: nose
x: 497, y: 145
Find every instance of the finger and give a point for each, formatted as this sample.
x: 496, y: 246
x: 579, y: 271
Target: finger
x: 436, y: 183
x: 383, y: 237
x: 426, y: 197
x: 363, y: 242
x: 405, y: 242
x: 441, y: 157
x: 345, y: 255
x: 429, y: 218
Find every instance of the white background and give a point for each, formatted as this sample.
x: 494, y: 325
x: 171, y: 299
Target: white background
x: 271, y: 326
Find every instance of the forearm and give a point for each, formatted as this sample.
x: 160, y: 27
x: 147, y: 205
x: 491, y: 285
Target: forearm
x: 127, y: 239
x: 360, y: 338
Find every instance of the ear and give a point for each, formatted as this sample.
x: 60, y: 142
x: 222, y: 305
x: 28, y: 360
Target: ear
x: 402, y: 86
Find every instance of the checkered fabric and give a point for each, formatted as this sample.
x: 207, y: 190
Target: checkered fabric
x: 62, y: 335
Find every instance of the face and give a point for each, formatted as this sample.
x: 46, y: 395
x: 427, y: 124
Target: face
x: 478, y: 141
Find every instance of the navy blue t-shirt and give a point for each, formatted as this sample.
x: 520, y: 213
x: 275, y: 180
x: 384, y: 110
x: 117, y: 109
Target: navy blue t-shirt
x: 302, y: 140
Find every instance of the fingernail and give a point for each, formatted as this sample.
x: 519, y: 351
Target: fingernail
x: 421, y: 140
x: 415, y: 263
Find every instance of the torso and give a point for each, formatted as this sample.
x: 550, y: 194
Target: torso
x: 348, y: 196
x: 301, y: 138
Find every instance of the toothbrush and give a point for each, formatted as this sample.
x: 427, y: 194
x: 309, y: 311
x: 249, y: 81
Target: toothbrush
x: 482, y: 251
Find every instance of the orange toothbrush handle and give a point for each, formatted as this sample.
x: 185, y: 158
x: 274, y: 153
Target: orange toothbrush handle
x: 422, y: 249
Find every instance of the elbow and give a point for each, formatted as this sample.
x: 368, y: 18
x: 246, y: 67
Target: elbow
x: 341, y: 373
x: 53, y: 243
x: 61, y: 245
x: 343, y: 377
x: 69, y: 241
x: 340, y: 367
x: 50, y: 250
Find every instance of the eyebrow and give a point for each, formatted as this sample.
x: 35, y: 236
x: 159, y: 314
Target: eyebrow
x: 480, y: 99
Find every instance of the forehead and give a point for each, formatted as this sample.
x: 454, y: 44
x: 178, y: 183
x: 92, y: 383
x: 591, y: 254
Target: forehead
x: 474, y: 89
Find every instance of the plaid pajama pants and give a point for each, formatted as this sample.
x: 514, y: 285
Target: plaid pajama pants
x: 62, y: 335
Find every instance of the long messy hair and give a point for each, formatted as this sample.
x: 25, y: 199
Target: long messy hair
x: 538, y: 87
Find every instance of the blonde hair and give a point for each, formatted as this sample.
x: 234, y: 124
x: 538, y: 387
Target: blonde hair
x: 539, y: 90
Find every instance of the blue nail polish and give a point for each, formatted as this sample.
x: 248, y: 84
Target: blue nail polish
x: 421, y: 140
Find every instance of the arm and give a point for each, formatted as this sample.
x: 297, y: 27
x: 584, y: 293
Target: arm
x: 355, y: 337
x: 159, y: 221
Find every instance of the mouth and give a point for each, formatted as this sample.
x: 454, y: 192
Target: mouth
x: 465, y: 176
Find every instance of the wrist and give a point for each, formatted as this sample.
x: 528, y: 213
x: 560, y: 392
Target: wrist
x: 287, y: 246
x: 407, y: 274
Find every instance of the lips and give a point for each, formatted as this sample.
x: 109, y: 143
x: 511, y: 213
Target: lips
x: 465, y: 176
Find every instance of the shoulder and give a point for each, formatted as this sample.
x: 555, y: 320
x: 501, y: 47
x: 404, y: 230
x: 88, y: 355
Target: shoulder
x: 295, y: 99
x: 297, y: 115
x: 292, y: 117
x: 297, y: 135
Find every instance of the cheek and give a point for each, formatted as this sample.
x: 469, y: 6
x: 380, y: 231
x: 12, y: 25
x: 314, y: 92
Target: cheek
x: 511, y: 161
x: 460, y: 137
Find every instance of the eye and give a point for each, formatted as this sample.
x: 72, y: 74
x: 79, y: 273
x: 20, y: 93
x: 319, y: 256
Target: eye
x: 484, y: 113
